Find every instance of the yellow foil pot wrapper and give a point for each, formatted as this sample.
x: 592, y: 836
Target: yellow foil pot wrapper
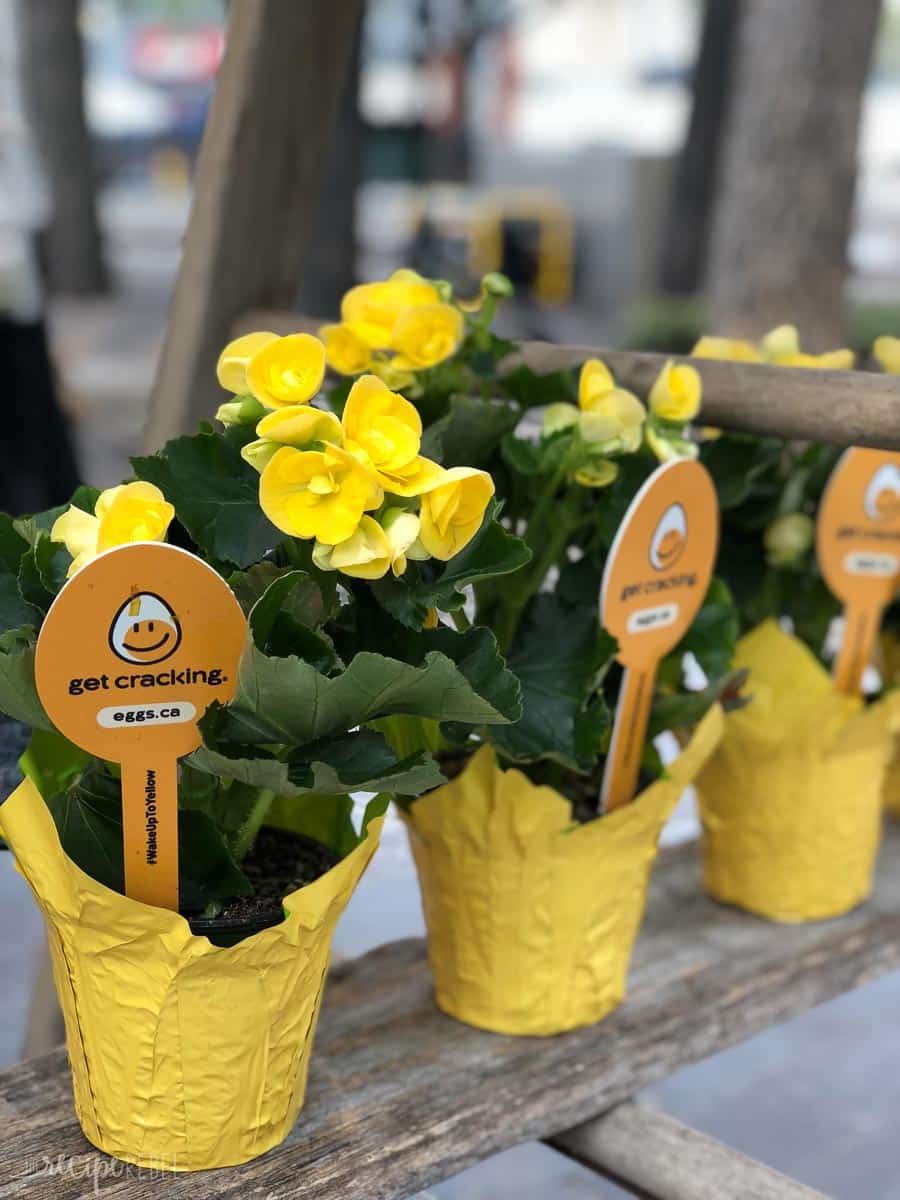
x: 532, y: 917
x: 791, y: 801
x: 184, y: 1055
x: 891, y: 789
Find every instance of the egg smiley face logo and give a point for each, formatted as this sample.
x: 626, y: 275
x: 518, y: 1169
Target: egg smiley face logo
x: 670, y: 538
x: 882, y: 500
x: 145, y: 630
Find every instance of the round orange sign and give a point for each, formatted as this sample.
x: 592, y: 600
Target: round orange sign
x: 858, y: 547
x: 654, y: 584
x: 133, y: 650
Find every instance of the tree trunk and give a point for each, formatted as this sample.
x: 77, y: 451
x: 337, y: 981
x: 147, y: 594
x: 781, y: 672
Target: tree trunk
x: 53, y: 62
x: 330, y: 266
x: 785, y: 203
x: 685, y: 242
x: 256, y: 192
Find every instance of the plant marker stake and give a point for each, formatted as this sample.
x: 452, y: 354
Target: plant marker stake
x: 654, y: 583
x: 133, y: 650
x: 858, y: 547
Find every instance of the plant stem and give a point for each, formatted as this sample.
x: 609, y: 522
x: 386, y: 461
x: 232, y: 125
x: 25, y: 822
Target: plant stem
x: 246, y: 835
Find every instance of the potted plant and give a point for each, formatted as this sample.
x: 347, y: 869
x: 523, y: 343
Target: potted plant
x: 189, y: 1032
x: 532, y: 896
x: 791, y: 799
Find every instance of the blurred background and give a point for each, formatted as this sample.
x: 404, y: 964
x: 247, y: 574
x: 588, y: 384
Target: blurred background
x: 644, y: 171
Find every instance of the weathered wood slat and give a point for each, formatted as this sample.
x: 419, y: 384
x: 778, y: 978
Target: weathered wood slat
x: 662, y: 1159
x: 849, y: 408
x: 402, y: 1096
x: 255, y: 198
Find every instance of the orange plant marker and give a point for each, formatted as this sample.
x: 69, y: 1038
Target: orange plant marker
x: 655, y: 581
x: 133, y: 650
x: 858, y: 547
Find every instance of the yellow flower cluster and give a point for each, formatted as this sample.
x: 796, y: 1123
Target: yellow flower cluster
x: 132, y: 512
x: 780, y: 348
x: 326, y: 479
x: 614, y: 421
x: 887, y: 351
x: 393, y: 328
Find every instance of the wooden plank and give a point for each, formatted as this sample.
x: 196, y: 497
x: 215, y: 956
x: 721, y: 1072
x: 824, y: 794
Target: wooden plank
x: 848, y: 408
x: 256, y: 190
x: 402, y: 1096
x: 655, y: 1155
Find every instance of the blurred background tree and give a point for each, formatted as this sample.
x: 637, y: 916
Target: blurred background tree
x: 53, y: 78
x: 788, y: 174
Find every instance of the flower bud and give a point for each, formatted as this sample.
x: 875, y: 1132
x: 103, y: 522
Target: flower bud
x: 495, y: 283
x: 259, y: 453
x: 244, y: 411
x: 788, y: 538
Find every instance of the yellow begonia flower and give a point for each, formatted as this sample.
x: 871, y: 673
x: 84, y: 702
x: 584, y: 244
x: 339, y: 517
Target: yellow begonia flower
x: 365, y: 554
x: 231, y: 369
x: 300, y: 424
x: 317, y: 493
x: 781, y: 348
x: 558, y: 418
x: 616, y: 416
x: 374, y: 308
x: 432, y: 620
x: 132, y: 512
x: 345, y: 351
x: 787, y: 538
x: 452, y: 513
x: 676, y: 393
x: 383, y: 430
x: 402, y: 530
x: 424, y: 337
x: 780, y: 342
x: 287, y: 371
x: 297, y: 425
x: 594, y: 382
x: 887, y: 351
x: 728, y: 349
x: 597, y: 475
x: 609, y: 414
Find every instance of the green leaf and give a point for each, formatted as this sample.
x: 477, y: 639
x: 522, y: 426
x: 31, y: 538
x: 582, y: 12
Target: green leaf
x: 470, y: 432
x: 454, y: 677
x: 533, y: 390
x: 737, y: 463
x: 18, y: 694
x: 713, y: 636
x: 88, y: 816
x: 684, y: 710
x: 558, y: 656
x: 358, y: 761
x: 15, y: 610
x: 280, y: 621
x: 42, y: 571
x: 52, y: 762
x: 327, y: 819
x: 215, y: 494
x: 492, y: 552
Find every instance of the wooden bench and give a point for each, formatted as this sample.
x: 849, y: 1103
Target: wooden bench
x: 402, y: 1096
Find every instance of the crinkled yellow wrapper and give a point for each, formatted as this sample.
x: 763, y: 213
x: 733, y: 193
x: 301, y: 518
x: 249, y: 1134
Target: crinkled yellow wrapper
x: 184, y: 1055
x: 791, y: 799
x: 532, y: 917
x: 891, y: 789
